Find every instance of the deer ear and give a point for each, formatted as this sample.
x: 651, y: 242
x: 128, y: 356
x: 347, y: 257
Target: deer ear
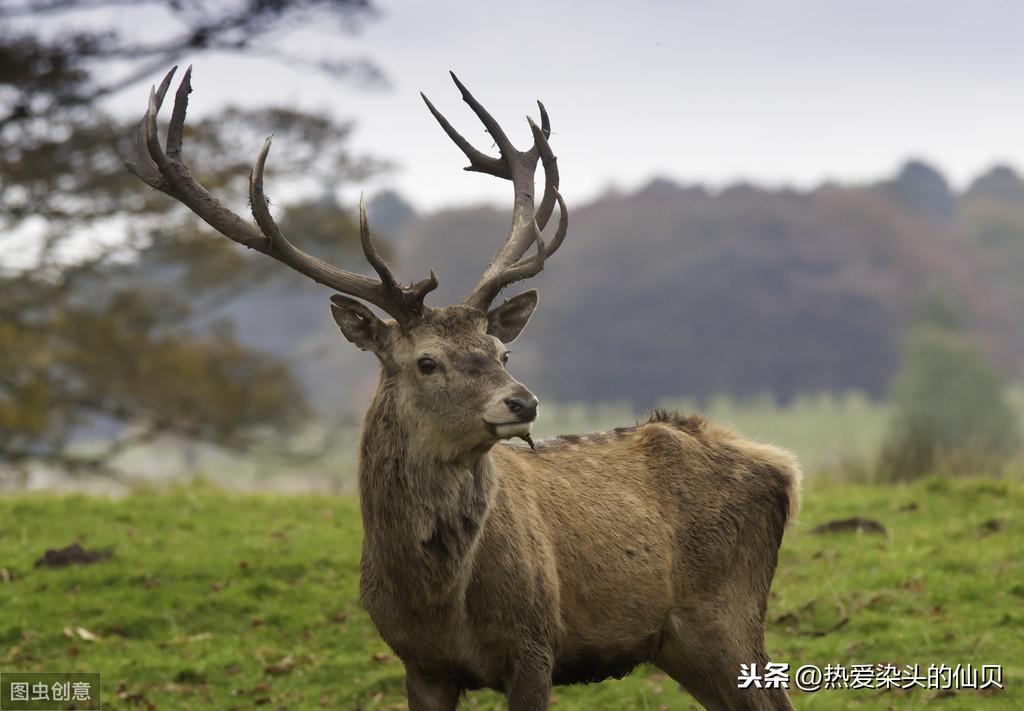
x: 358, y: 324
x: 506, y: 321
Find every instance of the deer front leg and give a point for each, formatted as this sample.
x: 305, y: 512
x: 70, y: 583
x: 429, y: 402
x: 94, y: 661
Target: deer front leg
x: 427, y: 694
x: 528, y: 687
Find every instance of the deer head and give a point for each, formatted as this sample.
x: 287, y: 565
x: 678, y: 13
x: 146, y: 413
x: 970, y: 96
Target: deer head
x: 442, y: 367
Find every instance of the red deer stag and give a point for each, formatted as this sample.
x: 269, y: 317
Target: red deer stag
x: 487, y: 563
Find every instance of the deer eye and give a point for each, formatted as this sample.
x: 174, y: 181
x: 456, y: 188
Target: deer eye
x: 426, y: 365
x: 505, y: 356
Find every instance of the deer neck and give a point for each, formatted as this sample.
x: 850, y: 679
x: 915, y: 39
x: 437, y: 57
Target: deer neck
x: 422, y: 516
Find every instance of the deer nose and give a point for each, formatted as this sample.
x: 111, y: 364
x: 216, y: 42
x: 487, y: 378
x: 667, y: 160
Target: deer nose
x: 524, y: 407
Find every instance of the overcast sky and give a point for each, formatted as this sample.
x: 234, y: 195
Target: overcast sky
x: 780, y: 93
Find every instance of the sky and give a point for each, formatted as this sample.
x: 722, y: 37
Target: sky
x: 788, y: 93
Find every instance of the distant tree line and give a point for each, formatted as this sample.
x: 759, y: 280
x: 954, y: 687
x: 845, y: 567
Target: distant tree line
x: 677, y: 291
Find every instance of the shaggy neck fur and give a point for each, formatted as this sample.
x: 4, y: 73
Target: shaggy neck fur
x: 422, y: 515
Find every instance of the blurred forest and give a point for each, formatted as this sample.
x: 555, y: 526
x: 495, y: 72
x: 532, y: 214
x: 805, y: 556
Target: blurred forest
x: 113, y: 299
x: 675, y: 290
x: 125, y: 322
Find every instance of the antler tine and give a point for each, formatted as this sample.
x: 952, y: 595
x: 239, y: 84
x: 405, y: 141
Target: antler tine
x: 370, y: 251
x: 169, y: 174
x: 410, y: 299
x: 492, y: 126
x: 550, y: 164
x: 545, y: 122
x: 563, y: 225
x: 387, y: 293
x: 479, y: 161
x: 176, y: 129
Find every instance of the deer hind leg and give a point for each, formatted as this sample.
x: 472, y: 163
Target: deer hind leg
x: 429, y: 694
x: 703, y: 648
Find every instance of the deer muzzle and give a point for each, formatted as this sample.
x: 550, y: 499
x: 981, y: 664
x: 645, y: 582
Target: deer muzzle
x: 512, y: 415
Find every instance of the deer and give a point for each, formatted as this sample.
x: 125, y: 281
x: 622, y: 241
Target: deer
x: 488, y: 559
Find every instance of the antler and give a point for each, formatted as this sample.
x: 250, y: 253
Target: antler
x: 167, y: 172
x: 508, y: 265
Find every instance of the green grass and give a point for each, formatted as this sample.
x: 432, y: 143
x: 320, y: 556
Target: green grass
x: 214, y: 600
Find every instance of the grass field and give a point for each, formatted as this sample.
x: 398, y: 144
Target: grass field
x: 220, y: 601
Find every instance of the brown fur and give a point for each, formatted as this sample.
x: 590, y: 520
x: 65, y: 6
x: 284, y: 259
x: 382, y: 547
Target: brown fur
x: 488, y: 564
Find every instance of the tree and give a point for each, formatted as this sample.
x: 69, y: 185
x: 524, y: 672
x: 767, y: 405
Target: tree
x: 124, y: 340
x: 924, y: 191
x: 950, y: 408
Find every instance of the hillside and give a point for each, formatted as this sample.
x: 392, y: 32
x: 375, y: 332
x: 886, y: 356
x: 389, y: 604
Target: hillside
x: 677, y: 291
x: 674, y: 290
